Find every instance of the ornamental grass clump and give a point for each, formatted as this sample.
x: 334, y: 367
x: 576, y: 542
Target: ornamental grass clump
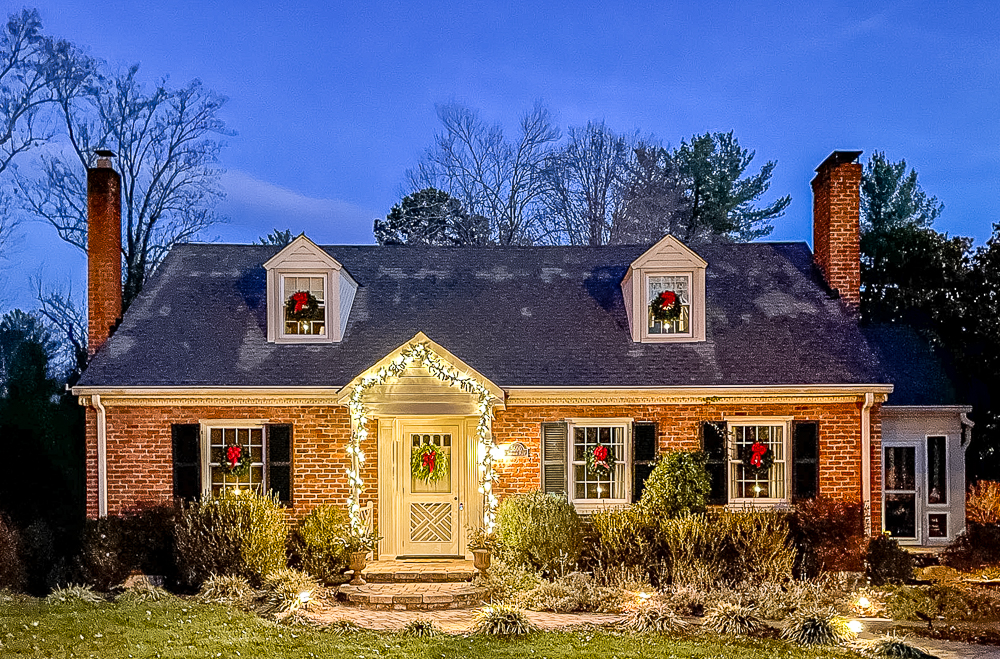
x: 285, y: 591
x: 502, y: 620
x: 733, y: 619
x: 540, y: 531
x: 891, y: 646
x: 142, y: 593
x: 241, y: 533
x: 817, y: 627
x: 420, y: 628
x: 320, y: 543
x: 654, y: 618
x: 226, y: 589
x: 74, y: 593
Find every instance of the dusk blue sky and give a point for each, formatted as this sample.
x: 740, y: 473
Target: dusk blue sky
x: 332, y: 101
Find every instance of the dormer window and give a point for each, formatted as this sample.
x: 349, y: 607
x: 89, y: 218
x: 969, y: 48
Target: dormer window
x: 309, y: 295
x: 664, y: 294
x: 669, y: 304
x: 305, y: 305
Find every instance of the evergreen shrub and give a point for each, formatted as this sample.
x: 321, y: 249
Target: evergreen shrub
x: 886, y: 562
x: 320, y: 543
x: 677, y: 486
x: 240, y: 534
x: 541, y: 531
x: 13, y: 575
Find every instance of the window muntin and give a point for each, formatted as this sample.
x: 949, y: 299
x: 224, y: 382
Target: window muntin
x: 771, y: 486
x: 311, y: 325
x: 250, y: 438
x: 681, y: 286
x: 587, y: 485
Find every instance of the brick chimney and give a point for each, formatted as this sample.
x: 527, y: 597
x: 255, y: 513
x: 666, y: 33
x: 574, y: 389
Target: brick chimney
x: 104, y: 251
x: 836, y: 224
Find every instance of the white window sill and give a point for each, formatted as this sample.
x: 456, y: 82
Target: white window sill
x: 740, y: 505
x: 586, y: 506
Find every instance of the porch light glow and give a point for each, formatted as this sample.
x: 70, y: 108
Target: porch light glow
x: 420, y: 353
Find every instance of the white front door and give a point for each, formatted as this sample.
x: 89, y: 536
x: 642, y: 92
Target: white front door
x: 901, y: 508
x: 429, y: 523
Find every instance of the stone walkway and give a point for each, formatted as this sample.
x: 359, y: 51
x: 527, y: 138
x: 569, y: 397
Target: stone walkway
x: 460, y: 621
x: 454, y: 621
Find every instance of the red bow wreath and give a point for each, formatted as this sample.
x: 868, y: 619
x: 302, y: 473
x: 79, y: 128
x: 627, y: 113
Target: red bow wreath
x: 665, y: 307
x: 237, y: 461
x: 601, y: 460
x: 757, y: 459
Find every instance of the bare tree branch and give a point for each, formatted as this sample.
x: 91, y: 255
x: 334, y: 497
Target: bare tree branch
x: 167, y: 158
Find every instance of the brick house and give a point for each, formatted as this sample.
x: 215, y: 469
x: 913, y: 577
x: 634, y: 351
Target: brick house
x: 336, y: 370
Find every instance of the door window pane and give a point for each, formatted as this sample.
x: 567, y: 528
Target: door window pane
x: 441, y: 442
x: 937, y: 525
x: 900, y: 462
x: 901, y: 515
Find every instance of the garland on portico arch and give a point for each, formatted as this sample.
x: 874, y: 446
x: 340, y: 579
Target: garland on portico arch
x: 420, y: 352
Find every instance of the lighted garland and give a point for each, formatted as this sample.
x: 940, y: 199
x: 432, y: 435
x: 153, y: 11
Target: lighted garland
x: 419, y: 352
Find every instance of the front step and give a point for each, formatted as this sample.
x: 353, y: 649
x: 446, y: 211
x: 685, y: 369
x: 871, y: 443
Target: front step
x: 412, y: 596
x: 415, y: 585
x: 419, y: 571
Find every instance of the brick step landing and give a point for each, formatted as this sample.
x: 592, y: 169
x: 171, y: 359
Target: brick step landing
x: 419, y: 571
x: 412, y: 596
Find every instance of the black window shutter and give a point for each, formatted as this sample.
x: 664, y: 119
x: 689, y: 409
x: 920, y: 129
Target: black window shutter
x: 187, y: 460
x: 713, y: 443
x: 555, y: 437
x: 805, y: 460
x: 643, y: 456
x: 279, y: 461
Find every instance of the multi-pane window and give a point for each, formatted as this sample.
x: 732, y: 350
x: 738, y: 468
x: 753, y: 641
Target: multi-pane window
x: 304, y: 300
x: 680, y: 285
x: 222, y: 456
x: 749, y: 483
x: 592, y: 484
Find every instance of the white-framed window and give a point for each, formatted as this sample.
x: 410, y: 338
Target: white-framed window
x: 748, y: 486
x: 589, y: 488
x: 217, y: 437
x: 680, y: 285
x: 303, y: 305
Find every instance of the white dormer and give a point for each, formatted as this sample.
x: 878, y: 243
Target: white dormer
x: 309, y: 295
x: 669, y: 265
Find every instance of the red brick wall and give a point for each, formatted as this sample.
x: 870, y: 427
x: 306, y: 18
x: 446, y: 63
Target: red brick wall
x: 678, y: 429
x: 139, y: 453
x: 139, y: 446
x: 104, y: 254
x: 836, y: 227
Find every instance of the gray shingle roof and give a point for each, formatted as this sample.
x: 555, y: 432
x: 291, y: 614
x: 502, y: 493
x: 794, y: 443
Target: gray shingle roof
x: 533, y: 316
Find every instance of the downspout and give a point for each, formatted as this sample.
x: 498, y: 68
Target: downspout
x: 866, y: 460
x: 102, y: 456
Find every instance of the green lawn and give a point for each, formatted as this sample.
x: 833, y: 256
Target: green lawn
x: 179, y: 628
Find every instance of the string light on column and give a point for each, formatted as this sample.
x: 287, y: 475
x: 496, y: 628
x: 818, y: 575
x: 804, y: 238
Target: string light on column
x: 439, y: 368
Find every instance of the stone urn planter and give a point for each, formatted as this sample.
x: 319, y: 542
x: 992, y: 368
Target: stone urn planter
x: 356, y: 562
x: 481, y: 560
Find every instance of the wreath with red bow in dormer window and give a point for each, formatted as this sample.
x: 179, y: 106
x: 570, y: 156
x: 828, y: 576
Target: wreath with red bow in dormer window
x: 303, y: 305
x: 666, y: 307
x: 757, y: 459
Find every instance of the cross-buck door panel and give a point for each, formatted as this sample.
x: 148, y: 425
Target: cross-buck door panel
x: 431, y: 467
